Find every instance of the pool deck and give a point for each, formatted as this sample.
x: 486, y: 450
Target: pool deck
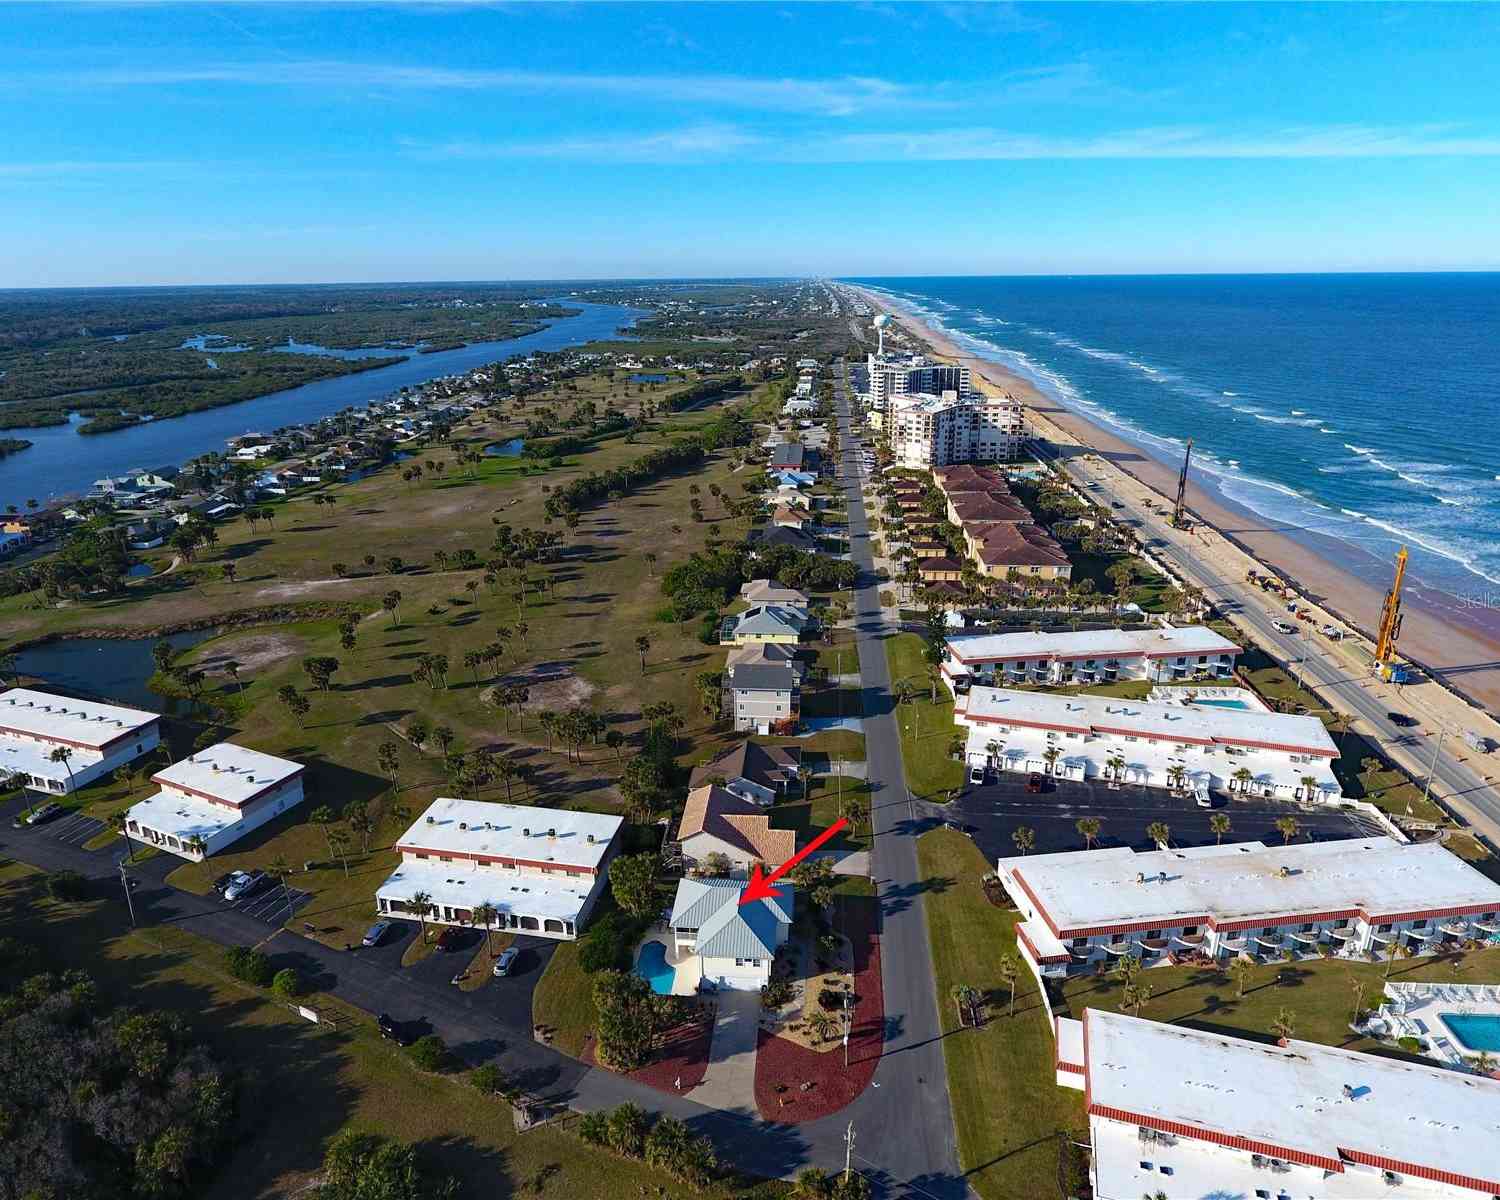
x: 684, y: 982
x: 1420, y: 1010
x: 1212, y: 696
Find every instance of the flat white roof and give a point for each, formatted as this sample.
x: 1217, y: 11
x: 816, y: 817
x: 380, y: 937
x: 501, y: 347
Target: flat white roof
x: 509, y: 891
x: 1092, y: 643
x: 183, y: 816
x: 1304, y: 1099
x: 83, y: 723
x: 477, y: 827
x: 1092, y: 889
x: 228, y: 772
x: 1192, y: 724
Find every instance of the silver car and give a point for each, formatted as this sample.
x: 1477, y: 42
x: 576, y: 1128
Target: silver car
x: 376, y: 933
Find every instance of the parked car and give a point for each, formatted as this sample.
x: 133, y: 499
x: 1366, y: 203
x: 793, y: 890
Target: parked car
x: 243, y: 883
x: 376, y: 933
x: 1329, y: 631
x: 1284, y: 627
x: 1205, y: 800
x: 976, y: 774
x: 393, y: 1030
x: 1035, y: 783
x: 1400, y: 719
x: 450, y: 939
x: 222, y: 882
x: 505, y: 962
x: 39, y: 816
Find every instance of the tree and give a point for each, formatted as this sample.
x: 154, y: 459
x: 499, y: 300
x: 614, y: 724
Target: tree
x: 1309, y: 786
x: 287, y: 983
x: 642, y: 645
x: 357, y: 817
x: 1284, y: 1024
x: 1242, y: 776
x: 715, y: 865
x: 320, y: 669
x: 1088, y: 829
x: 421, y: 904
x: 391, y: 602
x: 232, y: 669
x: 815, y: 877
x: 61, y: 754
x: 1116, y: 767
x: 388, y: 758
x: 1398, y: 950
x: 1009, y: 970
x: 443, y: 737
x: 1241, y: 970
x: 632, y: 881
x: 486, y: 914
x: 627, y: 1130
x: 1024, y: 837
x: 1219, y: 823
x: 614, y: 739
x: 324, y: 817
x: 670, y: 1147
x: 1287, y: 826
x: 295, y: 702
x: 1159, y: 833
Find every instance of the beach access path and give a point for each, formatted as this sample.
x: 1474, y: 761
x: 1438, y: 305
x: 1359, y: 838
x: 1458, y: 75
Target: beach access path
x: 1466, y: 780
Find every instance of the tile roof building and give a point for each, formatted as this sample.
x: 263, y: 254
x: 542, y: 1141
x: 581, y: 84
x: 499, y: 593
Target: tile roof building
x: 717, y: 821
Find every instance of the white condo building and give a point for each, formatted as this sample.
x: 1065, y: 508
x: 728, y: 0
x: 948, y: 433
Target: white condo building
x: 96, y: 738
x: 895, y: 375
x: 1194, y: 747
x: 927, y: 430
x: 1357, y: 898
x: 1191, y: 1113
x: 1161, y: 654
x: 542, y: 869
x: 213, y: 798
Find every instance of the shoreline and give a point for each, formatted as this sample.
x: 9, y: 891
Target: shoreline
x: 1463, y: 655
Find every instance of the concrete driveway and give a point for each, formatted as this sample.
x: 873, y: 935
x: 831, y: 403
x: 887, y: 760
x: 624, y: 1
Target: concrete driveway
x: 994, y: 811
x: 730, y: 1081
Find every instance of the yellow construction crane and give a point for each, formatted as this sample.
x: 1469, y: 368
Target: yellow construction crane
x: 1390, y: 621
x: 1179, y: 519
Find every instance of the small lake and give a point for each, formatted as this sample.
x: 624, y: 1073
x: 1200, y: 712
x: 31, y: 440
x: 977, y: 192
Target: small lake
x: 506, y: 449
x: 652, y: 378
x: 62, y: 462
x: 115, y: 668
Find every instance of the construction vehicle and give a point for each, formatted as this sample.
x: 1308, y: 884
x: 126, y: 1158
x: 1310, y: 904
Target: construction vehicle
x: 1179, y: 510
x: 1390, y: 628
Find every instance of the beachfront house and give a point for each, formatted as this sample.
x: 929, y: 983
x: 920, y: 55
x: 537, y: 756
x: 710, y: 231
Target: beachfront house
x: 725, y: 944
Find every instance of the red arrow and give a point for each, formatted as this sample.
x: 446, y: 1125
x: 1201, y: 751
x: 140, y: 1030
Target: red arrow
x: 759, y: 887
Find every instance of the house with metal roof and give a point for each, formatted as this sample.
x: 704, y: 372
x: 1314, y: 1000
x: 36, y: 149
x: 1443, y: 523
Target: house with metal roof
x: 766, y: 623
x: 731, y: 945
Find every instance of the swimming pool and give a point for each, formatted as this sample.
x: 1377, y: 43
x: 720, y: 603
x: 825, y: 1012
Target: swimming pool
x: 1476, y: 1031
x: 1240, y: 704
x: 652, y: 966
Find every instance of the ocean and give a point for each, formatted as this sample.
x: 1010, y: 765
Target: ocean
x: 1360, y: 407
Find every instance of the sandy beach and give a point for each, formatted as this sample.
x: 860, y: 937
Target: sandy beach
x: 1460, y: 646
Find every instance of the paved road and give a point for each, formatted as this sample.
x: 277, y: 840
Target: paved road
x: 1334, y: 681
x: 904, y: 1128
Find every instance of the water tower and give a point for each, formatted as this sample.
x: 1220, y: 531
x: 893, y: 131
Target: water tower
x: 881, y: 322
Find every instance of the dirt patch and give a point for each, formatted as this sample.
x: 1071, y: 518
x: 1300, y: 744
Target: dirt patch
x: 290, y: 591
x: 253, y: 651
x: 550, y: 686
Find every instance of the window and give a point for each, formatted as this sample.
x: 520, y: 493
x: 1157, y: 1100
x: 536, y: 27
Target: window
x: 1190, y: 930
x: 1145, y: 1166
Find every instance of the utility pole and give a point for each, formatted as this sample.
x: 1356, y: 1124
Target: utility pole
x: 848, y: 1151
x: 1432, y: 766
x: 129, y: 899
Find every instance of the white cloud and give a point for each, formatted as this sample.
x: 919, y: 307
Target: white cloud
x: 694, y: 143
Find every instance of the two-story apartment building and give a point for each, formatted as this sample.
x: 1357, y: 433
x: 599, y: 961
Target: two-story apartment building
x: 1186, y: 1112
x: 1359, y: 898
x: 214, y: 797
x: 764, y: 697
x: 541, y: 869
x: 1182, y: 746
x: 1162, y: 654
x: 56, y: 744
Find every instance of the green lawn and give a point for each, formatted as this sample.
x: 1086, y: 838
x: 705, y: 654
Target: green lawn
x: 1007, y: 1106
x: 927, y: 729
x: 338, y: 1076
x: 1319, y: 994
x: 563, y: 1001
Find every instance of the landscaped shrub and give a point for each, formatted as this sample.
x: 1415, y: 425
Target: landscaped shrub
x: 67, y: 885
x: 430, y: 1052
x: 287, y: 983
x: 249, y: 964
x: 776, y: 993
x: 607, y: 945
x: 627, y: 1130
x: 831, y: 999
x: 490, y: 1080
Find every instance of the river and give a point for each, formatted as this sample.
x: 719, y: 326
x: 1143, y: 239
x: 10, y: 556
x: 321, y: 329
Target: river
x: 61, y: 462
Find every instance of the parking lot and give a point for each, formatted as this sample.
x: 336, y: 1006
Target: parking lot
x: 73, y: 828
x: 271, y: 903
x: 992, y: 812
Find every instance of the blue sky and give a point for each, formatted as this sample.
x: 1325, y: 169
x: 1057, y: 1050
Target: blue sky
x: 205, y: 143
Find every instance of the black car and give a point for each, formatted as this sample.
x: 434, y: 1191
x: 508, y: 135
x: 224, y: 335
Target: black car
x: 1400, y: 719
x: 393, y: 1030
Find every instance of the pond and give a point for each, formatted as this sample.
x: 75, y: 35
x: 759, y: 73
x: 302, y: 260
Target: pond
x: 114, y: 668
x: 649, y: 378
x: 506, y: 449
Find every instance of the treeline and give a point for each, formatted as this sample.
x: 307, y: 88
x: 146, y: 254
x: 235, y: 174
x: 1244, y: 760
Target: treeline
x: 590, y: 489
x: 99, y: 1101
x: 702, y: 391
x: 711, y: 578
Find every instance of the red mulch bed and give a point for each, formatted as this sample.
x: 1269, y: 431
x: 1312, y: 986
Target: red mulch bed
x: 781, y: 1061
x: 683, y: 1055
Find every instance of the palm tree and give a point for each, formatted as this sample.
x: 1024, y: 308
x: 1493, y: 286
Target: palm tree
x: 643, y: 644
x: 197, y: 845
x: 1050, y: 757
x: 486, y: 914
x: 1240, y: 970
x: 1284, y: 1025
x: 232, y: 669
x: 1398, y: 950
x: 1024, y: 837
x: 1176, y: 776
x: 1159, y: 833
x: 1287, y: 827
x: 119, y: 821
x: 421, y: 904
x: 324, y: 816
x: 61, y: 754
x: 1088, y: 829
x: 1309, y: 786
x: 1116, y: 766
x: 1008, y: 969
x: 1219, y: 823
x: 1243, y: 776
